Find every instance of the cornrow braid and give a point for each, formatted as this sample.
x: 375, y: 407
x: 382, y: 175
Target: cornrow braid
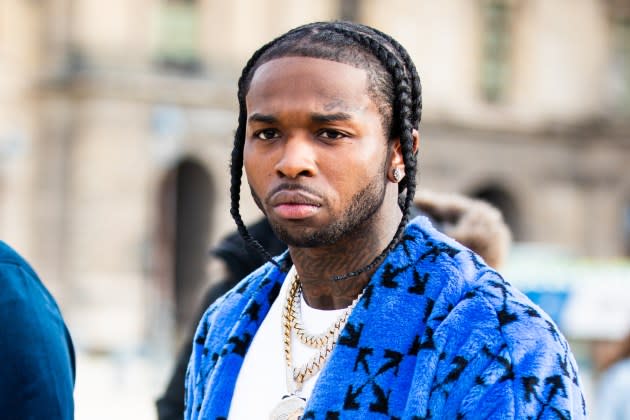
x: 416, y: 93
x: 236, y: 165
x: 416, y: 89
x: 404, y: 103
x: 394, y: 85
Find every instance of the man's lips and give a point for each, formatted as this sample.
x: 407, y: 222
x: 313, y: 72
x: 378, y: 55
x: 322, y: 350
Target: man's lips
x: 290, y: 204
x: 294, y: 197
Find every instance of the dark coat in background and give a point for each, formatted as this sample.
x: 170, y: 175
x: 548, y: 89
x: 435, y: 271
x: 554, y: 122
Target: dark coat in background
x: 238, y: 261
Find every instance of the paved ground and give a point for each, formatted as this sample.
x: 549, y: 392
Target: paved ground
x: 118, y: 387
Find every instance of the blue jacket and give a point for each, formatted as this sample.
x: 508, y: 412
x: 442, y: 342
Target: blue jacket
x: 37, y: 367
x: 437, y: 335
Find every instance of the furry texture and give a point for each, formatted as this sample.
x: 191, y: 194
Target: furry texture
x: 437, y: 335
x: 473, y: 223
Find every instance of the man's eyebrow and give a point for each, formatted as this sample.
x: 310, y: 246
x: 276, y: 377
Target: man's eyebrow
x: 327, y: 118
x: 269, y: 119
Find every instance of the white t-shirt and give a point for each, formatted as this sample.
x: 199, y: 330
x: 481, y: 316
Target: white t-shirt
x: 261, y: 382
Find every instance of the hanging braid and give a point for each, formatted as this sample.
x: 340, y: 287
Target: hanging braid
x: 393, y: 84
x: 236, y: 165
x: 403, y: 115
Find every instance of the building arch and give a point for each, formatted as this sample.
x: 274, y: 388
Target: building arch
x: 501, y: 198
x: 625, y: 226
x: 622, y: 225
x: 184, y: 231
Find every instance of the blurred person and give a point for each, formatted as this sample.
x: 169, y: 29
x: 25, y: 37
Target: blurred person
x: 614, y: 385
x: 367, y: 314
x: 37, y: 363
x: 474, y: 223
x: 235, y: 261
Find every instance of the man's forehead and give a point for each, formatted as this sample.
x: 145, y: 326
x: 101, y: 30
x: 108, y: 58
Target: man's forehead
x: 314, y: 116
x: 317, y: 111
x: 319, y: 108
x: 306, y: 69
x: 325, y: 84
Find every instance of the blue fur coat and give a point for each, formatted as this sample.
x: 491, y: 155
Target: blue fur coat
x: 437, y: 335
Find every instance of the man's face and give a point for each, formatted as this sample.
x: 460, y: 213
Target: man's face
x: 315, y: 153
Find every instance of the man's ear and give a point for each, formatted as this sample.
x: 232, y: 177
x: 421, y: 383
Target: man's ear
x: 416, y: 140
x: 396, y: 159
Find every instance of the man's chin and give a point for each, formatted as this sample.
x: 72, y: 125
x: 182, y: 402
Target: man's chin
x: 302, y: 237
x: 297, y: 240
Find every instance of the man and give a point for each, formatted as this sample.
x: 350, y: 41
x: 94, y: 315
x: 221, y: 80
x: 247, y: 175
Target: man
x: 367, y: 314
x: 473, y: 223
x: 37, y: 367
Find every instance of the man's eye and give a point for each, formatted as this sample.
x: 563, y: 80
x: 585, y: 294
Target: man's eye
x: 331, y: 134
x: 267, y: 134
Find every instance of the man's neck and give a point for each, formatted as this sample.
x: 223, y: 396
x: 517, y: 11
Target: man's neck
x: 317, y: 267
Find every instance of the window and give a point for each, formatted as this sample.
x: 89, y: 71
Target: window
x: 495, y: 49
x: 178, y: 35
x: 626, y: 229
x: 349, y: 10
x: 504, y: 202
x: 620, y: 80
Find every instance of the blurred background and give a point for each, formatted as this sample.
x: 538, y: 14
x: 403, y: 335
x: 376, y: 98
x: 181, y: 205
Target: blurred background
x: 116, y: 124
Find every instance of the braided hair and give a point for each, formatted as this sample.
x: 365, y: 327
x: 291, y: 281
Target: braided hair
x: 393, y: 85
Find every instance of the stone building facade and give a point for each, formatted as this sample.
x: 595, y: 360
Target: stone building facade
x: 116, y: 126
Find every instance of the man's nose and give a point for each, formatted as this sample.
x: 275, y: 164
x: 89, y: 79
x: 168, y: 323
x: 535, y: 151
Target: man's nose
x: 297, y: 158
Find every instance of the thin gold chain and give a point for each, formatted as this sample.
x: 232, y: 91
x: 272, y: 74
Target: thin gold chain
x: 291, y: 320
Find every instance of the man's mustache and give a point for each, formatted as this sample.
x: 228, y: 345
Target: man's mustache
x: 288, y: 186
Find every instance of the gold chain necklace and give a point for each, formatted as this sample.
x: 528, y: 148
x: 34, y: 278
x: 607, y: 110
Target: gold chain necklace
x: 292, y: 406
x: 315, y: 341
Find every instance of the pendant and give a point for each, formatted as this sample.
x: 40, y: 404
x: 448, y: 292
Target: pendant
x: 290, y: 408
